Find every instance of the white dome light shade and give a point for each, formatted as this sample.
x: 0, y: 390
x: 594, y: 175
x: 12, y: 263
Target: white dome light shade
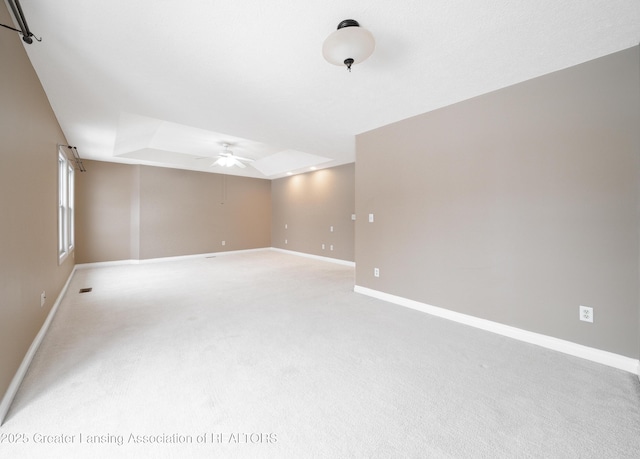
x: 350, y: 44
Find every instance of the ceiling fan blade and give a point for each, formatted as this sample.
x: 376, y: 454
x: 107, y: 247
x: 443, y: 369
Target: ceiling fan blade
x: 238, y: 163
x: 249, y: 160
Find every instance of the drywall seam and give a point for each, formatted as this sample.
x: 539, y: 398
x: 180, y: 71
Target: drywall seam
x: 12, y: 390
x: 567, y: 347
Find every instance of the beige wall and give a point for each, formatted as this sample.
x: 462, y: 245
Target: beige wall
x: 517, y: 206
x: 103, y: 212
x: 309, y: 204
x: 184, y: 212
x: 29, y: 134
x: 141, y: 212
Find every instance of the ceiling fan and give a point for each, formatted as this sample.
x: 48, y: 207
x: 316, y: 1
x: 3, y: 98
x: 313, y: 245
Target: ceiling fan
x: 228, y: 159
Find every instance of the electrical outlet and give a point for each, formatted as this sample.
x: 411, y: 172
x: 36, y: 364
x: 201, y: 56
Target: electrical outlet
x: 376, y: 272
x: 286, y: 226
x: 322, y: 246
x: 43, y: 298
x: 224, y: 242
x: 286, y: 241
x: 586, y: 314
x: 331, y: 229
x: 331, y: 247
x: 370, y: 218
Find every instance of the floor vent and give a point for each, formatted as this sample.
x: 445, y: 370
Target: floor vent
x: 86, y: 290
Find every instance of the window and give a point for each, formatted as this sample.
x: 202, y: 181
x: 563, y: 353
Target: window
x: 65, y: 207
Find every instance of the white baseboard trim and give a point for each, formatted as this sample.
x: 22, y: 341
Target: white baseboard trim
x: 12, y: 390
x: 316, y: 257
x: 201, y: 255
x: 567, y: 347
x: 102, y: 264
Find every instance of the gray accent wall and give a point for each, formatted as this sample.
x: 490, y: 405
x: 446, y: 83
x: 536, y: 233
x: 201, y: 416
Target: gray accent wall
x: 516, y: 206
x: 309, y: 205
x: 29, y: 134
x: 142, y: 212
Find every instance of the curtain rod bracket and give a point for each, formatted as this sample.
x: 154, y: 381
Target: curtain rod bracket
x: 75, y: 157
x: 18, y: 14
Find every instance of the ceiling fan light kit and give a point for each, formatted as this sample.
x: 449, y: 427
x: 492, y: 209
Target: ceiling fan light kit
x: 228, y: 159
x: 350, y: 44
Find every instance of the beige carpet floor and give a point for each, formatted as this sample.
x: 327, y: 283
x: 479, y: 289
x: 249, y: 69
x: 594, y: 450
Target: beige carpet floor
x: 266, y: 354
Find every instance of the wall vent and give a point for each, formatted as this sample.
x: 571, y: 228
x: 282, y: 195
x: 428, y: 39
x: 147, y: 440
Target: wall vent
x: 85, y: 290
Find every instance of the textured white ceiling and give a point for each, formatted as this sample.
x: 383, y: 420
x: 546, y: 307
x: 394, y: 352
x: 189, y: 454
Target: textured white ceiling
x: 205, y: 72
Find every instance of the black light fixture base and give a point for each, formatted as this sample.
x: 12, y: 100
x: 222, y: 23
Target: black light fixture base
x: 348, y: 63
x: 348, y: 23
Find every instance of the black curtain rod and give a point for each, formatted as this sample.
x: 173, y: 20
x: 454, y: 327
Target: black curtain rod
x: 22, y: 22
x: 76, y: 157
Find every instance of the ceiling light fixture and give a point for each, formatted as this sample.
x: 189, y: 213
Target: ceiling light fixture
x: 350, y: 44
x: 228, y: 159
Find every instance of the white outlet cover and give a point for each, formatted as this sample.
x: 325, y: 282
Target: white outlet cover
x: 586, y: 314
x: 370, y: 218
x: 353, y: 217
x: 331, y: 247
x: 331, y: 229
x: 376, y: 272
